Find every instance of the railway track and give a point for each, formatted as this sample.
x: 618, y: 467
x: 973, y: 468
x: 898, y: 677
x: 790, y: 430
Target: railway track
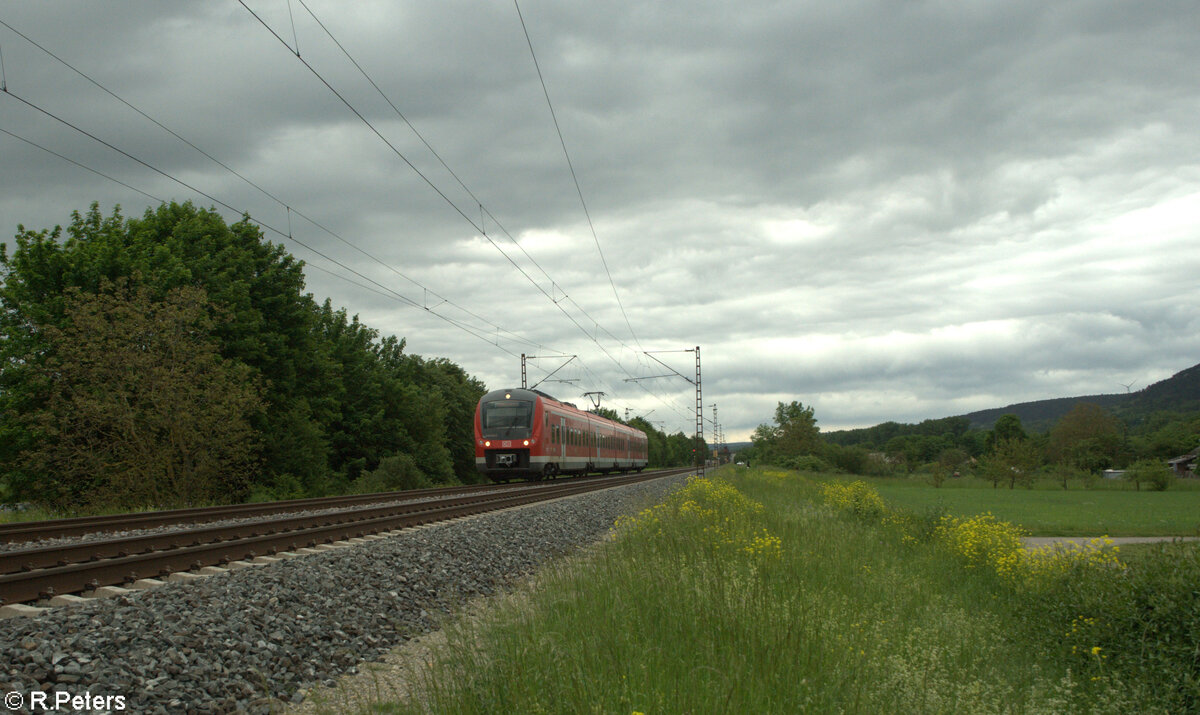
x: 34, y: 573
x: 78, y: 526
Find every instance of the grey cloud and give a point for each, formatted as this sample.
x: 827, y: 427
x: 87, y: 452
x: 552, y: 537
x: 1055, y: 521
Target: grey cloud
x: 893, y: 211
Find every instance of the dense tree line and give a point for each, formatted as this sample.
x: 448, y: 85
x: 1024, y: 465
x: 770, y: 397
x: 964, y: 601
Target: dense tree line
x: 1084, y: 442
x: 175, y: 359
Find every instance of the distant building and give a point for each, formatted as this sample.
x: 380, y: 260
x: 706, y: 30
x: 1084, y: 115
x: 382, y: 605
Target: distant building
x: 1184, y: 466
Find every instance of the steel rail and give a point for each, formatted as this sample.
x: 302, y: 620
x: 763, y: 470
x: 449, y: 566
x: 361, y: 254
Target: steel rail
x: 39, y: 557
x: 25, y: 586
x: 76, y: 526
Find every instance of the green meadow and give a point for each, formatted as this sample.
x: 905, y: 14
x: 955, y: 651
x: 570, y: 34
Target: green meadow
x: 774, y: 592
x: 1053, y: 511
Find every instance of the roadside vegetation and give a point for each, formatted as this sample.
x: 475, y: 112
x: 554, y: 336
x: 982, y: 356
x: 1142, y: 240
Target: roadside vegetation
x: 765, y: 590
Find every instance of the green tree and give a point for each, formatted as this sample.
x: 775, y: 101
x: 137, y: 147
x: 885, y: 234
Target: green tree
x: 1151, y: 472
x: 607, y: 413
x: 138, y: 407
x: 268, y: 325
x: 1087, y: 437
x: 796, y: 429
x: 1167, y: 434
x: 680, y: 450
x: 795, y: 433
x: 1006, y: 429
x: 905, y: 450
x: 337, y: 398
x: 1013, y: 460
x: 656, y: 442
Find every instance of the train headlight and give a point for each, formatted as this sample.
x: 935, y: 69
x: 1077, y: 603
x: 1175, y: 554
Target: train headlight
x: 526, y: 443
x: 487, y: 444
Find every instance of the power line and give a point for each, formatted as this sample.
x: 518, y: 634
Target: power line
x: 81, y: 166
x: 386, y: 291
x: 574, y: 177
x: 256, y: 186
x: 441, y: 193
x: 426, y: 179
x: 483, y: 208
x: 267, y: 226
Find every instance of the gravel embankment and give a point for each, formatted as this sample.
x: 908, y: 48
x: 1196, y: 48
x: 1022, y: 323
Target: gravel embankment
x: 234, y: 641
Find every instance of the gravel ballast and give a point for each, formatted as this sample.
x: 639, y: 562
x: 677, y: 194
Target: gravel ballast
x: 236, y: 641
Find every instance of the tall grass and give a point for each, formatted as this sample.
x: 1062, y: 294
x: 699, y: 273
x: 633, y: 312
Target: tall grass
x: 1081, y: 601
x: 753, y: 595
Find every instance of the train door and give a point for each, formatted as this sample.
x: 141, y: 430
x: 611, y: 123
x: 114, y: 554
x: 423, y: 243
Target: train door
x: 562, y: 441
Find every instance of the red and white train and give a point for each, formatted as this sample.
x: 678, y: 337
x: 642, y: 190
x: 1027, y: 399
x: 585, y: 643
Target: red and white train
x: 523, y: 433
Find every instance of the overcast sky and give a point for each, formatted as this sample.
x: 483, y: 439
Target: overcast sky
x: 886, y: 210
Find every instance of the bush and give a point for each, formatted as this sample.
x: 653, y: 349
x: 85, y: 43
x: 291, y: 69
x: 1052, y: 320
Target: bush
x: 854, y: 460
x: 1151, y: 472
x: 396, y: 473
x: 1141, y: 625
x: 806, y: 463
x: 855, y: 497
x: 938, y: 473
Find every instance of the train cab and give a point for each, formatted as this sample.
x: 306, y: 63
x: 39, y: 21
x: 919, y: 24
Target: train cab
x: 505, y: 425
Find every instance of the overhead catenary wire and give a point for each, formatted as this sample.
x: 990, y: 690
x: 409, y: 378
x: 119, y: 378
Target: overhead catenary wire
x: 477, y: 227
x: 288, y: 208
x: 233, y: 209
x: 483, y: 209
x: 34, y: 144
x: 426, y: 179
x: 574, y: 176
x: 379, y: 290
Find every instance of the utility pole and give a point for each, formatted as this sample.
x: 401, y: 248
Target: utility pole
x: 525, y: 357
x: 699, y: 453
x: 717, y: 436
x: 703, y: 458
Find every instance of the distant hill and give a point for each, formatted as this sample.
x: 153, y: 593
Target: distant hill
x: 1178, y: 393
x: 1041, y: 415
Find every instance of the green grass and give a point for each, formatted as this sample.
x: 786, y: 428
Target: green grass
x: 690, y: 609
x: 12, y: 517
x: 1055, y: 512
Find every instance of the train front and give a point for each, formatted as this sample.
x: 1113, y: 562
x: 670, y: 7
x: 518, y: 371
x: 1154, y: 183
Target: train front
x: 505, y: 434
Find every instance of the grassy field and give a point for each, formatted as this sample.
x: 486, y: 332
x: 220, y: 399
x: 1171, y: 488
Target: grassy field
x: 754, y: 595
x: 1056, y: 512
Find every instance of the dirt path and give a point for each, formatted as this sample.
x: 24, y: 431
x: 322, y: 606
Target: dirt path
x: 1036, y: 541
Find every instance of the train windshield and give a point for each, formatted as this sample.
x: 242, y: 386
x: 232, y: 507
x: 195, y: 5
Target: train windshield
x: 507, y: 418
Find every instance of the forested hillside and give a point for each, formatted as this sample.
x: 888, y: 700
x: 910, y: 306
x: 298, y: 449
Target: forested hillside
x: 1178, y: 393
x: 175, y: 359
x: 1088, y: 434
